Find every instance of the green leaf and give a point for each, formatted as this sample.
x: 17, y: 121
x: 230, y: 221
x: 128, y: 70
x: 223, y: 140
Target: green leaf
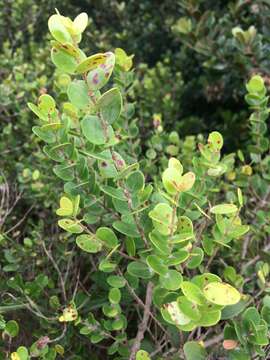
x: 107, y: 236
x: 193, y: 292
x: 194, y: 351
x: 96, y: 338
x: 126, y: 229
x: 265, y: 312
x: 90, y: 63
x: 45, y: 110
x: 128, y: 169
x: 146, y: 193
x: 240, y: 197
x: 110, y: 105
x: 115, y: 296
x: 57, y: 152
x: 208, y: 245
x: 177, y: 257
x: 106, y: 266
x: 172, y: 178
x: 211, y: 156
x: 64, y: 172
x: 142, y: 355
x: 254, y: 99
x: 196, y: 258
x: 106, y: 165
x: 116, y: 281
x: 22, y: 353
x: 66, y: 207
x: 251, y: 314
x: 162, y: 296
x: 80, y: 22
x: 239, y: 355
x: 162, y: 217
x: 135, y: 181
x: 224, y: 209
x: 12, y: 328
x: 94, y: 131
x: 237, y: 231
x: 231, y: 311
x: 53, y: 126
x: 78, y: 94
x: 215, y: 141
x: 68, y: 48
x: 98, y: 77
x: 157, y: 264
x: 139, y: 269
x: 184, y: 230
x: 256, y: 327
x: 187, y: 182
x: 188, y: 308
x: 130, y: 246
x: 71, y: 226
x: 159, y: 241
x: 205, y: 279
x: 69, y: 314
x: 119, y: 323
x: 46, y: 136
x: 221, y: 294
x: 175, y: 164
x: 172, y: 280
x: 76, y: 204
x: 89, y: 243
x: 36, y: 110
x: 175, y: 314
x: 46, y: 103
x: 116, y: 193
x: 255, y: 84
x: 209, y: 318
x: 123, y: 60
x: 63, y: 61
x: 58, y: 30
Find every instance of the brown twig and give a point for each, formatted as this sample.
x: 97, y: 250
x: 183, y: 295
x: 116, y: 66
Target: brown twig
x: 143, y: 325
x: 20, y: 221
x: 62, y: 283
x: 213, y: 341
x: 211, y: 258
x: 140, y: 302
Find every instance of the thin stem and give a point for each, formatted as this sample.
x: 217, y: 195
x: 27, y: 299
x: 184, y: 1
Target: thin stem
x: 61, y: 279
x: 143, y: 325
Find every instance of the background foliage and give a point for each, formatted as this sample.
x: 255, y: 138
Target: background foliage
x: 191, y: 62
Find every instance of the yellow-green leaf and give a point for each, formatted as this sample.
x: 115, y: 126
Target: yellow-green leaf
x: 66, y: 207
x: 90, y: 63
x: 69, y: 314
x: 221, y: 294
x: 58, y: 29
x: 224, y: 209
x: 80, y: 22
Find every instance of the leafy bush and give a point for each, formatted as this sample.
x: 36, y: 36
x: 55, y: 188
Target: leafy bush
x: 153, y: 257
x: 199, y: 50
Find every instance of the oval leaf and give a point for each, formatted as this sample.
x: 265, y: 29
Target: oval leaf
x: 221, y: 294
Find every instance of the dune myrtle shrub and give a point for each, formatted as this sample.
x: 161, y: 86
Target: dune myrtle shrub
x: 144, y: 262
x: 184, y: 49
